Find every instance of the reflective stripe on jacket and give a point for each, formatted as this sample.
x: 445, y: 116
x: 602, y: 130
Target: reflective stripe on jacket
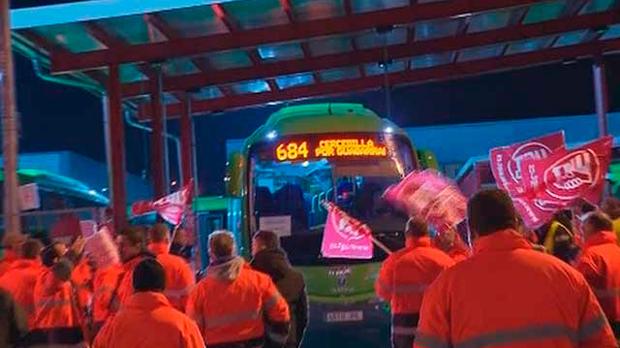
x: 235, y: 310
x: 103, y: 284
x: 404, y: 278
x: 508, y: 295
x: 600, y: 264
x: 148, y: 320
x: 20, y: 281
x: 179, y: 276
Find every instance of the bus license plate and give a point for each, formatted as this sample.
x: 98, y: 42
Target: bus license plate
x: 335, y: 317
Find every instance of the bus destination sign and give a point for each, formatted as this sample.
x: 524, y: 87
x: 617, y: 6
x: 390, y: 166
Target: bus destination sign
x: 346, y: 146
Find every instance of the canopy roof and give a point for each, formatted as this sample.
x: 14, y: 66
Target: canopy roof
x: 233, y: 54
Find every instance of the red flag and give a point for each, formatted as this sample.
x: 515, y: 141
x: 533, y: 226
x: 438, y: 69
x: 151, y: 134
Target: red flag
x: 141, y: 208
x: 345, y: 237
x: 555, y: 182
x: 505, y: 160
x: 171, y: 207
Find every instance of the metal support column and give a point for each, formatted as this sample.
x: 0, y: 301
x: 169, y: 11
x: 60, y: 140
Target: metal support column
x: 187, y: 139
x: 158, y: 142
x: 115, y: 134
x: 12, y: 223
x: 600, y: 94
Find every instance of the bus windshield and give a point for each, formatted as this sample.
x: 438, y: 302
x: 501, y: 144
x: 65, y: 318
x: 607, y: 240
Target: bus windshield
x: 288, y: 195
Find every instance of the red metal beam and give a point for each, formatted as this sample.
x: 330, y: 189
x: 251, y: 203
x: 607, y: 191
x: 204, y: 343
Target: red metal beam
x: 115, y: 131
x: 202, y: 63
x: 374, y: 55
x: 48, y: 47
x: 601, y: 99
x: 233, y: 27
x: 279, y: 33
x: 305, y: 48
x: 348, y: 11
x: 185, y: 125
x: 158, y: 153
x: 444, y: 72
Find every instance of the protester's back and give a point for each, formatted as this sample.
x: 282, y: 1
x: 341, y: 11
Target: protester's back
x: 13, y: 326
x: 20, y: 279
x: 148, y: 319
x: 229, y: 303
x: 508, y: 295
x: 270, y: 259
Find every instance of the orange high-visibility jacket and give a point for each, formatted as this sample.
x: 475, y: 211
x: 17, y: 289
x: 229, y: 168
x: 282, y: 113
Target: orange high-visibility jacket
x: 103, y: 283
x: 82, y: 277
x: 148, y: 320
x: 230, y: 311
x: 404, y: 277
x: 9, y: 257
x: 57, y: 311
x: 20, y: 281
x: 600, y: 264
x: 508, y: 295
x: 124, y: 287
x: 179, y: 276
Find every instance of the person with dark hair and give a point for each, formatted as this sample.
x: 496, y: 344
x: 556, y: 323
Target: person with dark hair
x: 11, y: 244
x: 611, y: 206
x: 13, y: 326
x: 20, y: 279
x: 58, y: 316
x: 509, y: 295
x: 148, y: 319
x: 269, y: 258
x: 227, y: 304
x: 404, y: 276
x: 558, y: 237
x: 180, y: 278
x: 600, y: 264
x: 133, y: 250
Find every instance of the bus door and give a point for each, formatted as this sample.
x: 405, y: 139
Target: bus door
x: 225, y: 217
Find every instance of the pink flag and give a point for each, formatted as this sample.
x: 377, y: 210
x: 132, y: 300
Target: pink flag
x: 505, y: 160
x: 555, y: 182
x: 430, y: 196
x: 345, y: 237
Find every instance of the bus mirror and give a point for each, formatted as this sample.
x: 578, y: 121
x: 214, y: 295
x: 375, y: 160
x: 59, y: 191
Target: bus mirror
x: 234, y: 174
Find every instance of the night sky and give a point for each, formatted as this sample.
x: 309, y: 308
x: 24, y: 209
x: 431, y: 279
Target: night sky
x: 55, y: 117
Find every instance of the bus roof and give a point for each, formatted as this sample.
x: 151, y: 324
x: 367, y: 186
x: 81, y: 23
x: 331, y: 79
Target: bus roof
x: 323, y: 118
x: 58, y: 183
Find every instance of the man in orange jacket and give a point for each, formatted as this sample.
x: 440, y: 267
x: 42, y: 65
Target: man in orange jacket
x: 57, y: 317
x: 148, y: 319
x: 11, y: 245
x: 405, y: 275
x: 599, y: 262
x: 132, y: 247
x: 508, y: 295
x: 233, y: 303
x: 179, y: 276
x: 451, y: 243
x: 22, y: 276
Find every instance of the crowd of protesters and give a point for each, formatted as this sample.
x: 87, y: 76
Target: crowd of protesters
x: 558, y: 286
x: 58, y: 295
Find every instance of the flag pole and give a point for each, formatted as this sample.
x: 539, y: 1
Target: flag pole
x: 326, y: 206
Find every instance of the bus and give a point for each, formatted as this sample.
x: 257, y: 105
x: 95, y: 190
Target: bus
x: 301, y: 157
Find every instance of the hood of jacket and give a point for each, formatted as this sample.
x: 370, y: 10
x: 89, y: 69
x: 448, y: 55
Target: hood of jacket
x: 226, y: 269
x: 273, y: 262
